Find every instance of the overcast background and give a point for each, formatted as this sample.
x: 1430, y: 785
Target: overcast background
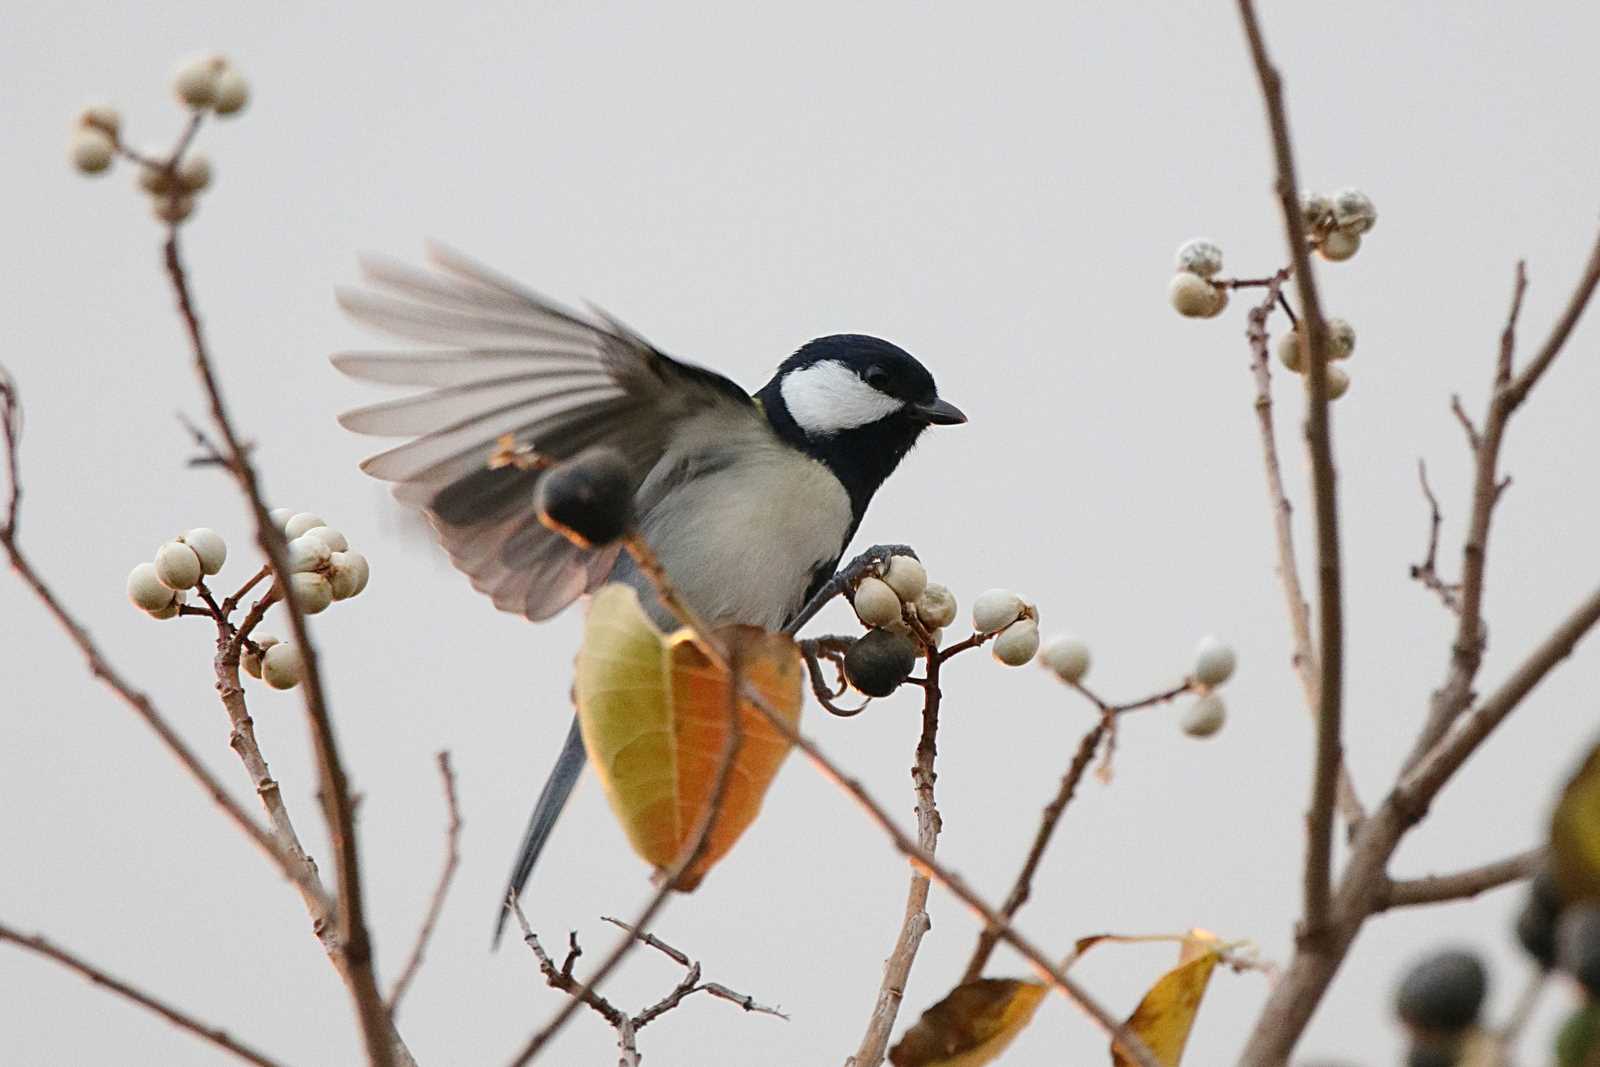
x: 997, y: 188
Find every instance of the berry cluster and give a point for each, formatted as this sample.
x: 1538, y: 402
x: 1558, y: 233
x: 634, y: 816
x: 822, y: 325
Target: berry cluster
x: 1335, y: 224
x: 1002, y: 612
x: 161, y: 588
x: 1067, y: 657
x: 1341, y: 343
x: 895, y: 605
x: 207, y: 83
x: 1192, y: 292
x: 321, y: 564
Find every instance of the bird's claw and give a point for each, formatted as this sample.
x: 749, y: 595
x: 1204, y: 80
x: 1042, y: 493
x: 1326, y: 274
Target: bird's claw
x: 872, y: 561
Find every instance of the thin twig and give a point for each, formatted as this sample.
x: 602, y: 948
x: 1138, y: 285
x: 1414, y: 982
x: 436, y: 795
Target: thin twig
x: 1462, y: 885
x: 1330, y: 603
x: 182, y: 1020
x: 1021, y: 888
x: 690, y: 984
x: 1427, y: 571
x: 354, y: 955
x: 452, y: 859
x: 914, y: 923
x: 1304, y: 658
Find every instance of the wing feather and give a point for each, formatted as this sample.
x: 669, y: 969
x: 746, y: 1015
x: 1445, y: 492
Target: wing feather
x: 511, y: 361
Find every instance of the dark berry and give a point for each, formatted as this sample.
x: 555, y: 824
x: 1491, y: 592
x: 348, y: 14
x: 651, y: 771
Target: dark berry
x: 1578, y: 945
x: 589, y: 498
x: 1443, y: 992
x: 879, y: 661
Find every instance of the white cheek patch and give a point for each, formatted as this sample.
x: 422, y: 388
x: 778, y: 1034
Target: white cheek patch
x: 827, y: 397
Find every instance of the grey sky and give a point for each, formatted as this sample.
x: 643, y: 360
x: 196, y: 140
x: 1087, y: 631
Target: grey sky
x: 999, y: 190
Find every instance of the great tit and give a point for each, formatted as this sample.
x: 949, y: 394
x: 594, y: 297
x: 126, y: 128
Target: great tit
x: 748, y: 501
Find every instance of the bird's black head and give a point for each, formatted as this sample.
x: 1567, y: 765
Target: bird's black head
x: 857, y: 404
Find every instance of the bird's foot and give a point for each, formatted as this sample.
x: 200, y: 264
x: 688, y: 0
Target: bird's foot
x: 872, y: 561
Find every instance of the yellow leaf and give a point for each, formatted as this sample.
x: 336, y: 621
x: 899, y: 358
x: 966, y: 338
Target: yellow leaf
x: 1165, y: 1016
x: 654, y: 716
x: 971, y: 1026
x: 1575, y: 834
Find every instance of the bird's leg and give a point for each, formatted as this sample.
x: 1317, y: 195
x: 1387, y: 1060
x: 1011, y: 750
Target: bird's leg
x: 871, y: 561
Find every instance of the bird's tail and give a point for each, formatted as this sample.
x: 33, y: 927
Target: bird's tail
x: 552, y: 798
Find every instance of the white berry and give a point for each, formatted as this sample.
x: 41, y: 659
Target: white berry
x: 907, y: 577
x: 347, y: 574
x: 282, y: 666
x: 102, y: 117
x: 179, y: 598
x: 91, y: 149
x: 1213, y: 662
x: 329, y: 536
x: 194, y: 172
x: 196, y: 81
x: 173, y: 209
x: 936, y: 606
x: 311, y: 592
x: 299, y: 523
x: 1067, y: 656
x: 145, y: 588
x: 1354, y: 212
x: 1194, y: 297
x: 1200, y: 257
x: 177, y: 565
x: 1017, y: 643
x: 1338, y: 382
x: 279, y: 517
x: 1204, y: 716
x: 875, y: 603
x: 1341, y: 339
x: 155, y: 180
x: 307, y: 554
x: 232, y: 92
x: 252, y: 662
x: 1289, y: 353
x: 1316, y: 209
x: 995, y: 609
x: 209, y: 546
x: 1339, y: 246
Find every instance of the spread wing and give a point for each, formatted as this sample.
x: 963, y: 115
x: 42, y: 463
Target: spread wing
x: 505, y: 360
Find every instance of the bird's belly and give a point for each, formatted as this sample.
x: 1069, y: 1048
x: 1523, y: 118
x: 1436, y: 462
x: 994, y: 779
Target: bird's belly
x: 743, y: 542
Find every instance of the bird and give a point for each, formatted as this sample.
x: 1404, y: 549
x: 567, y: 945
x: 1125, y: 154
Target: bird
x: 748, y: 500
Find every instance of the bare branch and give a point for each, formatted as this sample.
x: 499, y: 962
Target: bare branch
x: 1330, y: 610
x: 354, y: 947
x: 1427, y: 571
x: 1420, y: 785
x: 689, y: 985
x: 452, y: 859
x: 1439, y: 888
x: 1304, y: 658
x: 182, y: 1020
x: 915, y: 922
x: 1579, y: 301
x: 1021, y: 888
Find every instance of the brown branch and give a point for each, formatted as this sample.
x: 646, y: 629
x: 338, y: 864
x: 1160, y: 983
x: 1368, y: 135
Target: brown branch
x: 1304, y: 658
x: 727, y: 660
x: 1462, y: 885
x: 353, y: 947
x: 579, y: 992
x: 1021, y: 888
x: 1330, y: 604
x: 36, y: 944
x: 1427, y: 571
x: 914, y: 923
x: 99, y: 667
x: 689, y: 985
x: 1524, y: 382
x: 452, y: 859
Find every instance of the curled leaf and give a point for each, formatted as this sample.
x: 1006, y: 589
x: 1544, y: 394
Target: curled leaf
x: 654, y: 715
x: 971, y: 1026
x: 1165, y: 1016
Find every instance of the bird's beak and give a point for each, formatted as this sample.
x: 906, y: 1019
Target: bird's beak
x: 938, y: 413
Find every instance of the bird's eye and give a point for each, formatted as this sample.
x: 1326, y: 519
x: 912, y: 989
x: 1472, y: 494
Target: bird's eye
x: 876, y: 377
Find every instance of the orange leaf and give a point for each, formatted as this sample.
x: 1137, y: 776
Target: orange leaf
x: 971, y: 1026
x: 654, y: 716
